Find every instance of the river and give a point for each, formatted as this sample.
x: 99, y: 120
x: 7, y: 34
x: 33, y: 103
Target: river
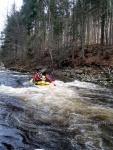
x: 69, y: 116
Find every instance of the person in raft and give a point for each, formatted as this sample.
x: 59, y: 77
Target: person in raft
x: 41, y: 75
x: 38, y: 74
x: 47, y: 77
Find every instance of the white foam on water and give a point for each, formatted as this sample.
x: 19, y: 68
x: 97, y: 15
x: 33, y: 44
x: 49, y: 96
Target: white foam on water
x: 47, y: 94
x: 63, y: 103
x: 87, y: 85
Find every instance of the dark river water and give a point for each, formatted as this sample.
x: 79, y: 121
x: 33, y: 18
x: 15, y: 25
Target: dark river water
x: 69, y: 116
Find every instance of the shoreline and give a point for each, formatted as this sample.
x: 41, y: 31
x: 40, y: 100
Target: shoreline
x: 96, y: 75
x: 87, y: 74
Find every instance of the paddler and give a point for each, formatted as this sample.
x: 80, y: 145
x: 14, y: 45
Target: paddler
x: 41, y: 74
x: 38, y: 74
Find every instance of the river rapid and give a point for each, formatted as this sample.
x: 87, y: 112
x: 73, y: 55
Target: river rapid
x: 69, y: 116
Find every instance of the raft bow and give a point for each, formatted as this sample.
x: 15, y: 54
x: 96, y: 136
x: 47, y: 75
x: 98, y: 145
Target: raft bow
x: 40, y: 82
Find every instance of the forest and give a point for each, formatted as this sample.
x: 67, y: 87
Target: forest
x: 59, y: 33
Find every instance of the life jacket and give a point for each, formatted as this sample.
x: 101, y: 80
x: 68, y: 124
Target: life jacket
x: 49, y: 78
x: 36, y: 76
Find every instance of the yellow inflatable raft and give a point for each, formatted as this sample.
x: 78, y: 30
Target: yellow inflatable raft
x: 40, y: 82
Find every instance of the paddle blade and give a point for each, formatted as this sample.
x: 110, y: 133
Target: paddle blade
x: 31, y: 80
x: 53, y: 83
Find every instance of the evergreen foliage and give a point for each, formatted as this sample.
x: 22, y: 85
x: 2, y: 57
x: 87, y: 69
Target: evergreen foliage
x: 47, y: 27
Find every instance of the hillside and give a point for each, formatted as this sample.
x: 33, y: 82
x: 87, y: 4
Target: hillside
x: 92, y: 59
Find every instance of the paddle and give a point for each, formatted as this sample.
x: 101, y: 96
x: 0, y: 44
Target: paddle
x: 31, y: 80
x: 51, y: 81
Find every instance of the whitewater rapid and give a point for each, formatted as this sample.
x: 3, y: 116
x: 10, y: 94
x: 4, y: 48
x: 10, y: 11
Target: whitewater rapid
x: 77, y: 113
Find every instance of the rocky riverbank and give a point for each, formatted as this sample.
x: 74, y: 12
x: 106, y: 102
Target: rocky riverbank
x: 87, y: 74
